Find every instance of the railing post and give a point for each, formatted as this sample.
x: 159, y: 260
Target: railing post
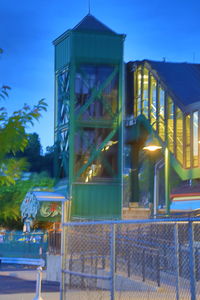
x: 197, y: 263
x: 129, y: 264
x: 143, y: 264
x: 112, y: 262
x: 191, y: 261
x: 176, y: 248
x: 38, y: 284
x: 158, y: 268
x: 63, y: 253
x: 82, y: 269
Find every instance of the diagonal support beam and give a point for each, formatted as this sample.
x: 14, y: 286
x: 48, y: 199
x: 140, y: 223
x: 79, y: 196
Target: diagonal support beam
x: 97, y: 92
x: 96, y: 152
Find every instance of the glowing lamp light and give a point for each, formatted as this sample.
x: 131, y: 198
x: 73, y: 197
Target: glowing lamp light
x: 152, y: 144
x: 152, y: 148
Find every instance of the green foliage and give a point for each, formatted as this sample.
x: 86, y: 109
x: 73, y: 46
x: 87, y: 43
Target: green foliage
x: 13, y: 137
x: 32, y: 153
x: 11, y: 197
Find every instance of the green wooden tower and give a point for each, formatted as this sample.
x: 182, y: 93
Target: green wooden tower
x: 88, y: 117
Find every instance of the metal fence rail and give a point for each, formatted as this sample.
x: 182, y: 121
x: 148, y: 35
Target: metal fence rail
x: 150, y: 259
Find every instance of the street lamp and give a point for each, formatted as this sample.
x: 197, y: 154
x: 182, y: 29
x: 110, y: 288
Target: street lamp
x: 153, y: 145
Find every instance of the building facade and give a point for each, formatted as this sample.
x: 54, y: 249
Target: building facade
x: 88, y: 117
x: 91, y: 107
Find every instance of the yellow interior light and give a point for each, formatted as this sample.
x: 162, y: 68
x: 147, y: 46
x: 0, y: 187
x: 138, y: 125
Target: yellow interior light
x: 152, y: 148
x: 152, y: 144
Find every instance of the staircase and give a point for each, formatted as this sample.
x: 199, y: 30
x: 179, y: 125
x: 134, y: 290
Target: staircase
x: 140, y: 129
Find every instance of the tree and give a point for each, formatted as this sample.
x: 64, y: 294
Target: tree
x: 33, y: 154
x: 13, y: 137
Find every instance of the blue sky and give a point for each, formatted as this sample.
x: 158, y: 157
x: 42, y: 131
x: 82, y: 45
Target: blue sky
x: 154, y: 29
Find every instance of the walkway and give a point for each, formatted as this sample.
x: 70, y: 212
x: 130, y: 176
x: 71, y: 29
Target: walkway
x: 19, y: 284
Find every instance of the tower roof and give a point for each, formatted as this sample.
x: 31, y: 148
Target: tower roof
x: 90, y: 23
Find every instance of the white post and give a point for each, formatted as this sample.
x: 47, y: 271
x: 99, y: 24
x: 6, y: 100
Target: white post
x: 158, y: 165
x: 65, y: 218
x: 38, y: 284
x: 155, y: 193
x: 112, y: 261
x: 176, y: 243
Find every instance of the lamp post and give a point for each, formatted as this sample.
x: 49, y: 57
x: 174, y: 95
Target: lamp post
x: 153, y: 145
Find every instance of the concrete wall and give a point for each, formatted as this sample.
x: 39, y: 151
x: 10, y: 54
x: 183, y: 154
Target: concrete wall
x: 53, y: 267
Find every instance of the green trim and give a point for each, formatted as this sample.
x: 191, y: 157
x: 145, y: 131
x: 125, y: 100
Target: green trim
x: 167, y: 182
x: 72, y: 123
x: 185, y: 174
x: 96, y: 123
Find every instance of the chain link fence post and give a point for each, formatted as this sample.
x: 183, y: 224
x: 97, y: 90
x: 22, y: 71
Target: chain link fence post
x: 191, y: 261
x: 63, y: 253
x: 176, y: 248
x: 112, y: 261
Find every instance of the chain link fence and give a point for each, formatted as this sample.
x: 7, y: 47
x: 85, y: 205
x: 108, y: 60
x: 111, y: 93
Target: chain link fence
x: 151, y: 259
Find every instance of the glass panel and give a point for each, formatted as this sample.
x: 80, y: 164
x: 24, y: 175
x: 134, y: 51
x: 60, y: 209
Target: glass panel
x: 161, y: 120
x: 96, y: 92
x: 145, y: 92
x: 153, y: 100
x: 188, y: 143
x: 170, y: 122
x: 87, y: 144
x: 179, y: 135
x: 139, y: 91
x: 62, y: 98
x: 195, y: 139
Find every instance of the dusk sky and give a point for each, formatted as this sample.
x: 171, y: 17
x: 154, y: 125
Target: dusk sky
x: 154, y: 29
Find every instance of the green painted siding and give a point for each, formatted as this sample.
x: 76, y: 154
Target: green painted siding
x: 62, y: 53
x: 96, y: 201
x: 97, y: 48
x: 100, y: 55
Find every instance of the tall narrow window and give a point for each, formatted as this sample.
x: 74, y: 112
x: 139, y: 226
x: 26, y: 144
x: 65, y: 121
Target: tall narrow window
x: 170, y: 122
x: 153, y: 98
x: 145, y: 95
x: 195, y: 139
x: 139, y: 91
x: 187, y: 142
x: 179, y: 135
x: 161, y: 121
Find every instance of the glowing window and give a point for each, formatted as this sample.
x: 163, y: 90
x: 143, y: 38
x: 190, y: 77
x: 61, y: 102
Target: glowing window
x: 179, y: 135
x: 139, y: 91
x: 195, y: 139
x: 153, y: 100
x: 187, y: 143
x: 170, y: 122
x: 161, y: 122
x: 145, y: 97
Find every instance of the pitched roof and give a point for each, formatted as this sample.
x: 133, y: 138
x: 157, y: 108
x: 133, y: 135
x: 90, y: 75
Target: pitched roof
x: 183, y: 79
x: 90, y: 23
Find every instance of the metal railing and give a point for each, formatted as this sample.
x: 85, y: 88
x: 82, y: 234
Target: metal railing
x: 145, y: 259
x: 23, y: 245
x: 54, y: 247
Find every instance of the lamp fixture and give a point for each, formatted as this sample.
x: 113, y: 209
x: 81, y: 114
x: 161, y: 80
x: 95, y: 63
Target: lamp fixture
x: 152, y: 144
